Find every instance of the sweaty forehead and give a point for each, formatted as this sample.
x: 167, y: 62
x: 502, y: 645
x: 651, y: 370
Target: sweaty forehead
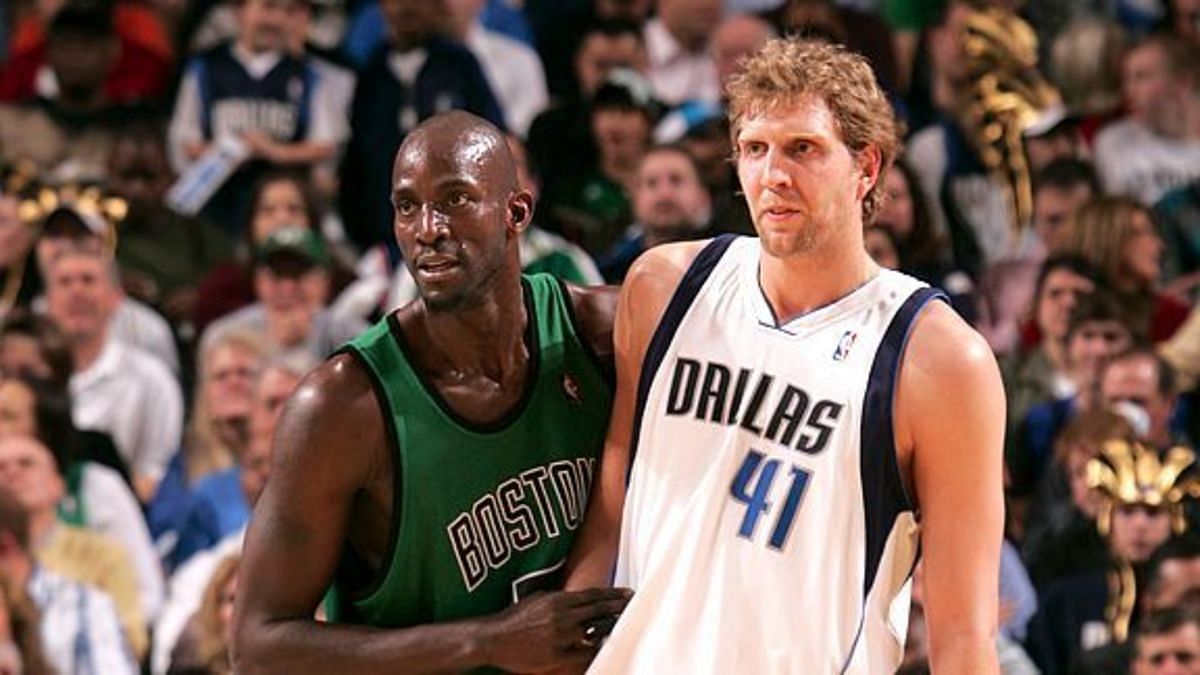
x: 471, y: 155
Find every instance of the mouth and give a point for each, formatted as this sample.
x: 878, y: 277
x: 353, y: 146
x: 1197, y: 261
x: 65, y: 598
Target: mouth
x: 778, y: 213
x: 436, y: 266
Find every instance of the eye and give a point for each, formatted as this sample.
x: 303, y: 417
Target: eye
x: 753, y: 148
x: 457, y: 199
x: 802, y: 148
x: 405, y: 207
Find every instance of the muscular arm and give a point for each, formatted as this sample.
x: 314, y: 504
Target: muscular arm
x: 644, y: 297
x: 321, y: 461
x: 956, y: 470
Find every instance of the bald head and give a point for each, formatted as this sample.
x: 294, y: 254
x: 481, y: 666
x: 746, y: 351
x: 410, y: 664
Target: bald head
x: 464, y: 143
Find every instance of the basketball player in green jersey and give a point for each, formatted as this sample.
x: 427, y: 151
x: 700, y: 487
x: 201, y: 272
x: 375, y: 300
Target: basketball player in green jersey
x: 435, y: 471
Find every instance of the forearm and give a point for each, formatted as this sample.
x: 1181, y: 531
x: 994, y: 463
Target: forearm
x: 591, y: 563
x: 304, y: 646
x: 965, y: 654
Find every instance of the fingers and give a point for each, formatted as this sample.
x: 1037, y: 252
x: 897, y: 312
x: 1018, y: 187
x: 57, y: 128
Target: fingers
x: 592, y: 596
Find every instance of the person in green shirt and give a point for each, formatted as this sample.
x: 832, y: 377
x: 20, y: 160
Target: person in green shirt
x: 432, y: 474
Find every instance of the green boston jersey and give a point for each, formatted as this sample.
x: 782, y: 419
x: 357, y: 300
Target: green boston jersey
x: 483, y: 514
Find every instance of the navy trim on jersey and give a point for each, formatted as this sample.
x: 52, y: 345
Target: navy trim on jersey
x: 689, y: 287
x: 884, y: 496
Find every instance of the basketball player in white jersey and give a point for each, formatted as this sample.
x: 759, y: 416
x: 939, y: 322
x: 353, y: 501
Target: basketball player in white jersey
x: 791, y: 421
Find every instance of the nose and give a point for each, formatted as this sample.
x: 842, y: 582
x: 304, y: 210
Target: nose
x: 774, y: 175
x: 430, y: 225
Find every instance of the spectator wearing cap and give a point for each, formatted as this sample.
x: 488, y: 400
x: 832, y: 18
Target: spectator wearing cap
x: 292, y: 285
x: 677, y: 44
x: 594, y: 208
x: 513, y: 69
x: 420, y: 73
x: 1141, y: 383
x: 560, y: 139
x: 73, y: 133
x: 1156, y: 148
x: 77, y: 222
x: 117, y: 388
x: 670, y: 203
x: 79, y: 628
x: 256, y: 95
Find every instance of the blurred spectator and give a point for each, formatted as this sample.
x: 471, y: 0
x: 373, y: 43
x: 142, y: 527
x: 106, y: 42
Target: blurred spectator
x: 205, y: 646
x: 79, y: 629
x: 163, y: 255
x: 1183, y: 19
x: 1140, y: 383
x: 677, y: 44
x: 905, y: 213
x: 1157, y: 147
x: 32, y: 346
x: 882, y: 247
x: 220, y: 424
x: 1182, y: 351
x: 1178, y: 217
x: 292, y: 287
x: 670, y: 203
x: 27, y: 469
x: 21, y: 282
x: 596, y: 207
x: 513, y: 69
x: 141, y: 70
x: 96, y: 497
x: 257, y: 92
x: 1172, y: 574
x: 1118, y: 237
x: 1097, y: 330
x: 737, y: 37
x: 841, y: 23
x: 1168, y: 643
x: 1085, y: 65
x: 116, y: 388
x: 1041, y: 374
x: 702, y: 129
x: 560, y: 139
x: 561, y: 29
x: 21, y: 651
x: 1056, y: 137
x: 222, y: 501
x: 420, y: 73
x: 72, y: 134
x: 1060, y: 189
x: 1061, y: 539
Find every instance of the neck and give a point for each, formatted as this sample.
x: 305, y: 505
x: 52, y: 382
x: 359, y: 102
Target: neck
x: 87, y: 350
x: 41, y: 524
x: 620, y: 171
x: 488, y: 338
x: 1056, y: 351
x: 793, y: 289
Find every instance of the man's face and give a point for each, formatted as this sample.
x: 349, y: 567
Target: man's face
x: 80, y: 295
x: 17, y: 403
x: 669, y: 196
x: 600, y: 54
x: 1146, y: 81
x: 1174, y: 653
x: 412, y: 22
x: 1134, y: 380
x: 456, y: 215
x: 229, y: 381
x: 138, y: 172
x: 27, y: 469
x: 271, y: 392
x: 1177, y: 577
x: 1090, y: 347
x: 1053, y: 208
x: 1138, y: 530
x: 1060, y: 293
x: 81, y: 62
x: 621, y: 135
x: 286, y: 286
x: 265, y: 25
x: 1142, y: 250
x: 690, y: 21
x: 20, y: 354
x: 802, y: 184
x: 280, y: 205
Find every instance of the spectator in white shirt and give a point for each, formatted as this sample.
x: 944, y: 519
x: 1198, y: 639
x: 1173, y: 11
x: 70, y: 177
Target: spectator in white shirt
x: 677, y: 42
x: 79, y: 628
x: 1157, y: 147
x: 513, y: 70
x: 116, y: 388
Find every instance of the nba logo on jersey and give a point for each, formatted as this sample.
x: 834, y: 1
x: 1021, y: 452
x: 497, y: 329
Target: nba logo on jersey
x: 844, y: 345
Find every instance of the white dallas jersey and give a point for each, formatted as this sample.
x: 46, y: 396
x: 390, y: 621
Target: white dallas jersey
x: 766, y: 529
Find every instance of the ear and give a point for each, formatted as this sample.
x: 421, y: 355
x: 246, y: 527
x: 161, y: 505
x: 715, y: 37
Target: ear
x: 520, y: 211
x: 870, y: 166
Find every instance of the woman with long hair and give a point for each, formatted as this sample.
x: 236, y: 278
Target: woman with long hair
x: 219, y: 426
x: 203, y: 649
x: 1117, y: 235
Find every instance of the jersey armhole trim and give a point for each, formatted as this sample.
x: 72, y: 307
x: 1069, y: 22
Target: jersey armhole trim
x: 664, y: 334
x: 379, y: 577
x: 608, y: 374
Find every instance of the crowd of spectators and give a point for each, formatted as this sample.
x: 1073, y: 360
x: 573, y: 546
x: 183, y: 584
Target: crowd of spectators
x: 195, y: 210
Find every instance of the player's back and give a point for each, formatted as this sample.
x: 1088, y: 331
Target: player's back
x: 766, y: 528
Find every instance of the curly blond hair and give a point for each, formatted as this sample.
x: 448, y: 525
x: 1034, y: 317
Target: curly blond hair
x: 786, y: 69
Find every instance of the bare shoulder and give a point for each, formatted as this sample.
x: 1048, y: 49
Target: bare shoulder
x: 595, y: 308
x: 653, y: 277
x: 332, y: 420
x: 944, y: 348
